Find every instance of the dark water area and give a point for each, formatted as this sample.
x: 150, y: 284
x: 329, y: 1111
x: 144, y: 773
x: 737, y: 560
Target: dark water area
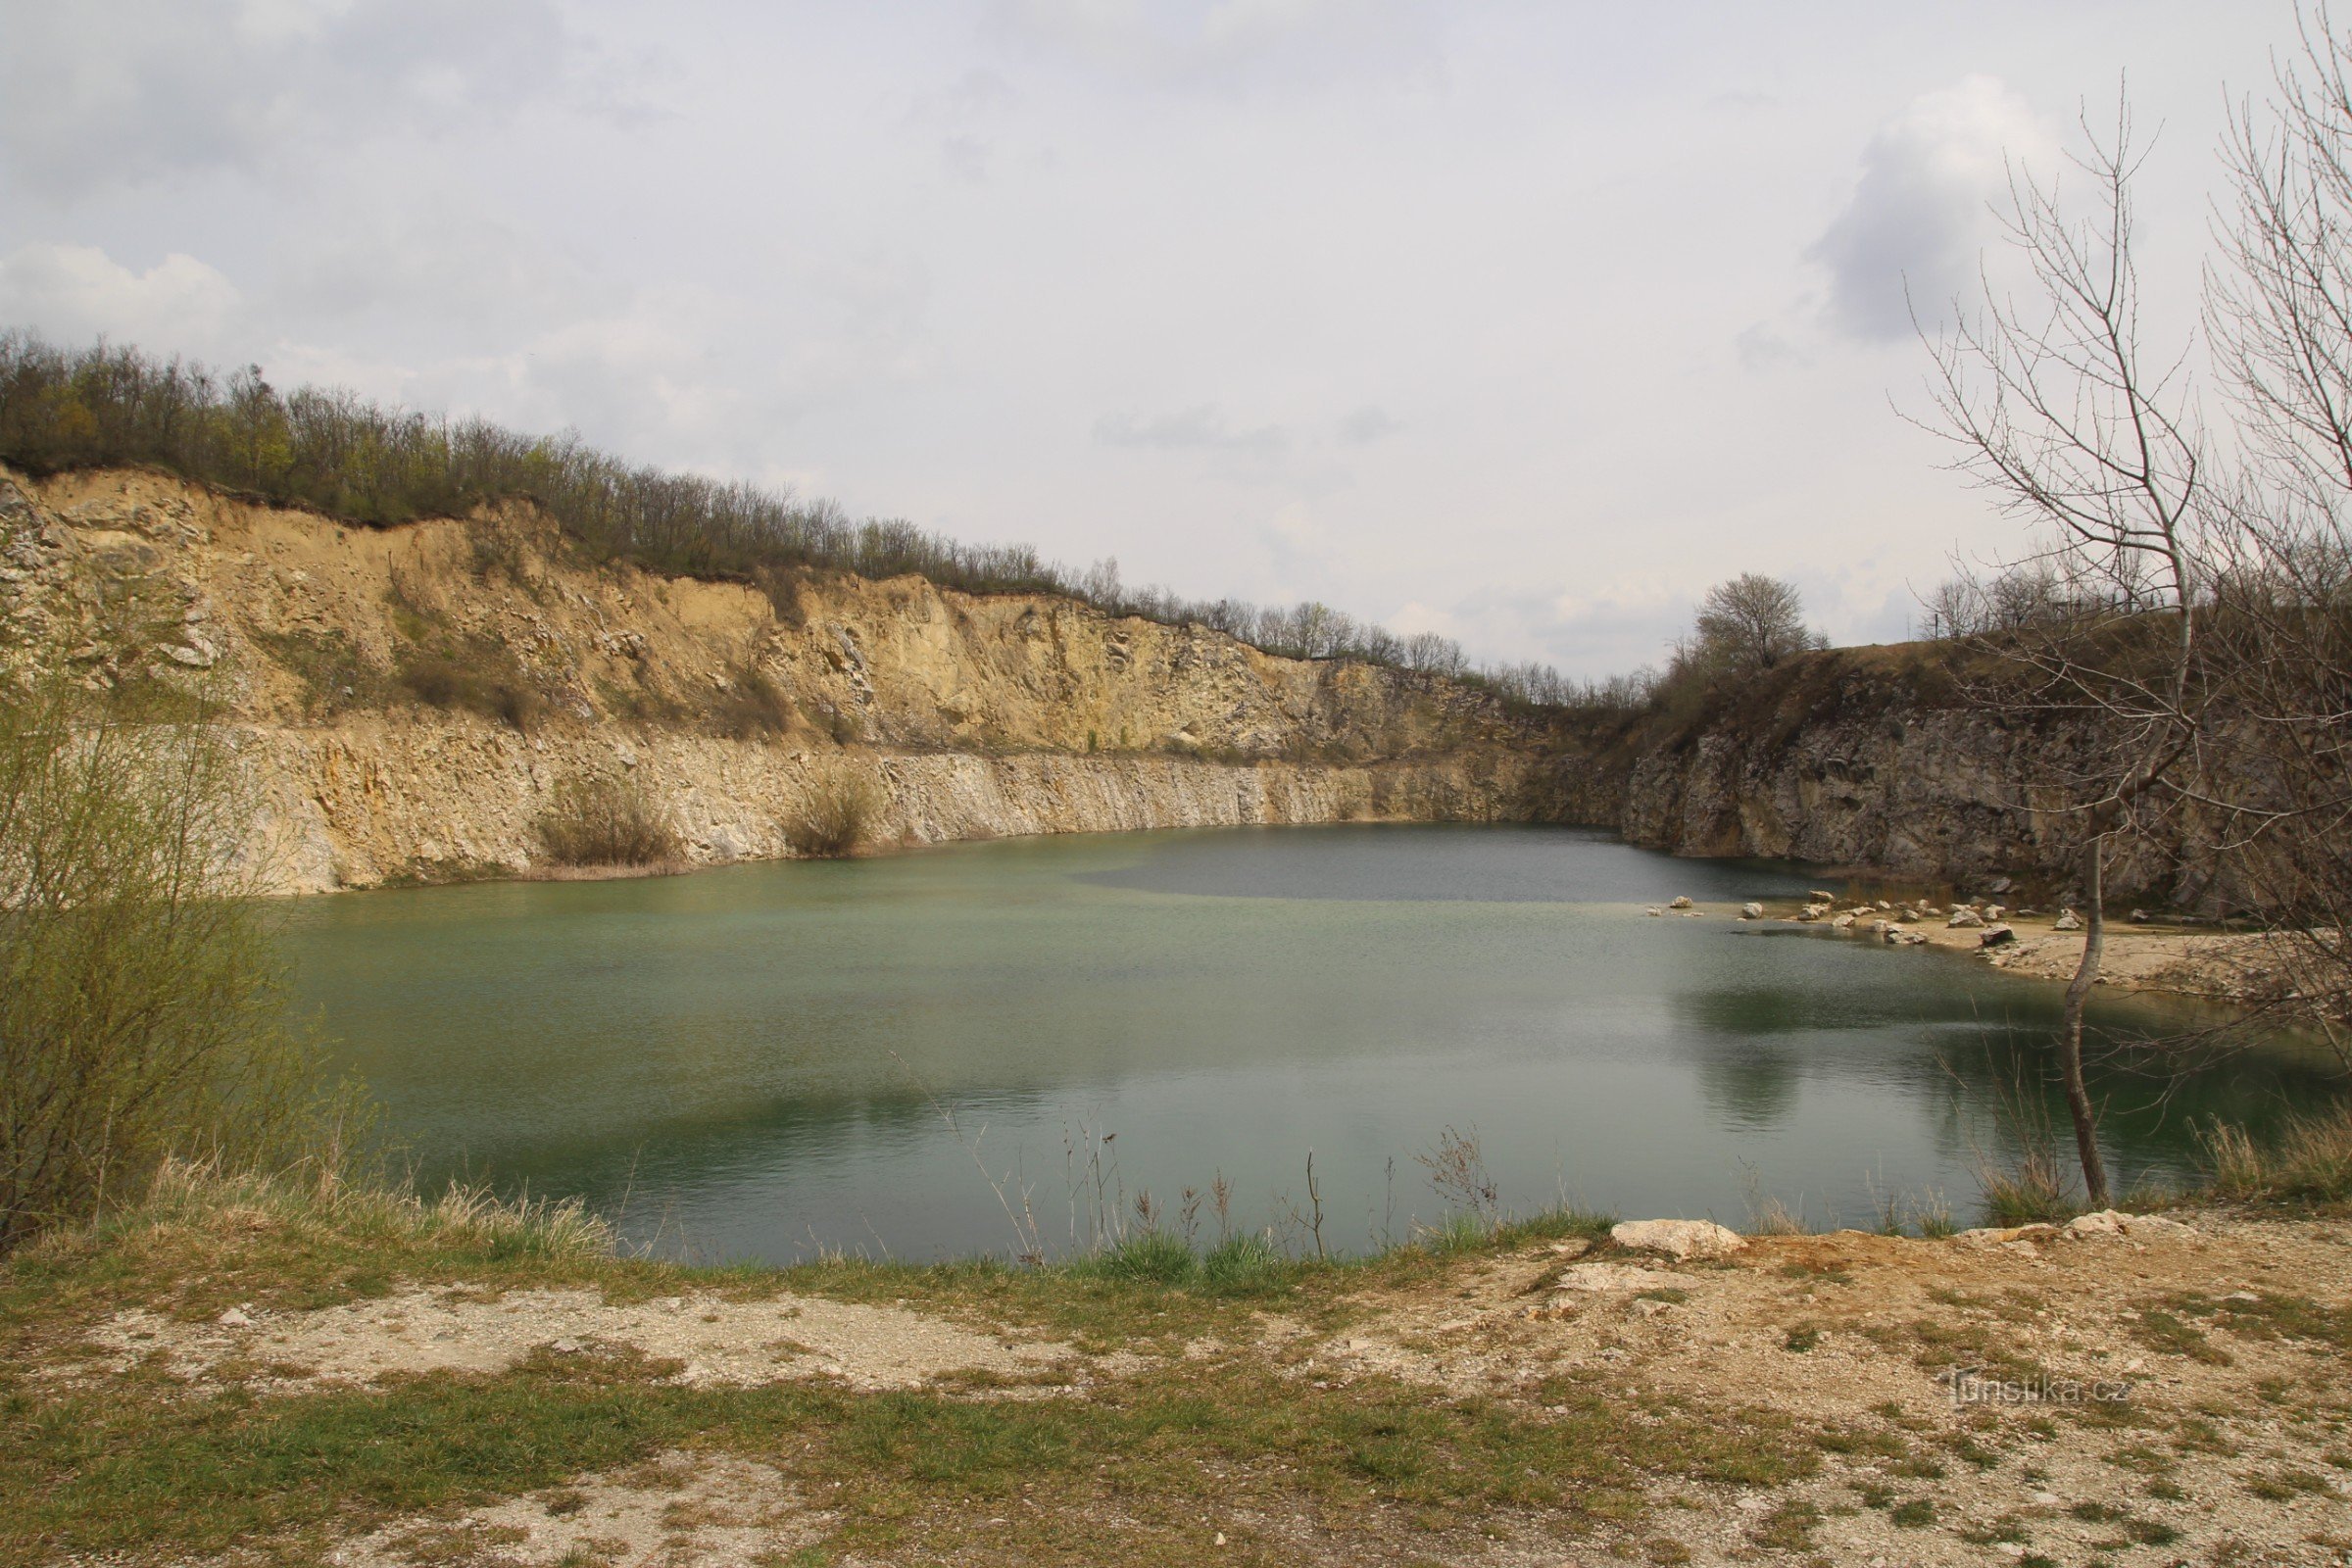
x: 753, y: 1063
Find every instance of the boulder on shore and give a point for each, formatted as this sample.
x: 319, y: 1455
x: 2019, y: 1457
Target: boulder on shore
x: 1678, y: 1239
x: 1679, y: 902
x: 2067, y: 920
x: 1962, y: 918
x: 1752, y: 912
x: 1997, y: 936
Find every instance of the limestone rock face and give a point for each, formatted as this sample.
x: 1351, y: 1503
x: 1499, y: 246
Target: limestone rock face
x: 1678, y: 1239
x: 412, y: 697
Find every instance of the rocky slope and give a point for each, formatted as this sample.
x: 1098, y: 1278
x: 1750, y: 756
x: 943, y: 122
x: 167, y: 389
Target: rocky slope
x: 414, y: 695
x: 1858, y: 757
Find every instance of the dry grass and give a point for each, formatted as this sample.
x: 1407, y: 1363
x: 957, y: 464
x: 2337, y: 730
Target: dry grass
x: 2310, y: 1162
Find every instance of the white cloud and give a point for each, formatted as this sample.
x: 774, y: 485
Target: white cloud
x: 1921, y: 213
x: 1368, y: 424
x: 73, y: 293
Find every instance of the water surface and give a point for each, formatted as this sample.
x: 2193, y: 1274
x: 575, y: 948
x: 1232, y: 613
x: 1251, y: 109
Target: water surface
x: 755, y: 1061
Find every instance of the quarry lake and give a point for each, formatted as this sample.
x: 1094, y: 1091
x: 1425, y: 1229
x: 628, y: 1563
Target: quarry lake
x: 753, y: 1063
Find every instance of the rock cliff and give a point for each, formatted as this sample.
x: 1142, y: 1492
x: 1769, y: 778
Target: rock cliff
x: 412, y: 696
x: 1860, y: 758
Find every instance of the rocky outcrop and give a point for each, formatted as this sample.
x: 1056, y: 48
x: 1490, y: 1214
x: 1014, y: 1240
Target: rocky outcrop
x: 1860, y: 758
x: 415, y: 694
x: 412, y: 697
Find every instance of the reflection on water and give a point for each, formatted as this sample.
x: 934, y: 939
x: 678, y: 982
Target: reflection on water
x: 756, y: 1059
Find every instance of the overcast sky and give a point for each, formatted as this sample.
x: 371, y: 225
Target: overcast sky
x: 1521, y: 322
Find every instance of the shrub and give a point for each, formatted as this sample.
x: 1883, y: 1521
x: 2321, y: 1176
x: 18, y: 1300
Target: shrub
x: 605, y: 822
x: 834, y: 817
x: 140, y: 1013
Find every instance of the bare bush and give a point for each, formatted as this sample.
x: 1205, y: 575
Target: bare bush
x: 835, y: 817
x: 606, y: 822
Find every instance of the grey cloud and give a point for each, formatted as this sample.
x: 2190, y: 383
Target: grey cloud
x: 1368, y: 424
x: 1764, y: 347
x: 115, y: 92
x: 1919, y: 216
x: 1199, y: 428
x: 958, y: 113
x: 1229, y: 46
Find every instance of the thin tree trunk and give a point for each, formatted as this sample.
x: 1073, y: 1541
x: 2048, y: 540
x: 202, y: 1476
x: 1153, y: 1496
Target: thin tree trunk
x: 2069, y: 1036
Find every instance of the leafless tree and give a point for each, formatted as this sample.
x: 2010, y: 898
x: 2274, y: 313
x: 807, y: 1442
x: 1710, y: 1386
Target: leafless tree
x: 2057, y: 411
x: 2184, y: 616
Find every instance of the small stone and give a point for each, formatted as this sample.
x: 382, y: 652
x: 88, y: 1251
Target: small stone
x: 1679, y: 902
x: 1654, y: 909
x: 564, y: 1346
x: 1993, y: 912
x: 1845, y: 921
x: 2140, y: 917
x: 2043, y: 1499
x: 235, y: 1317
x: 1752, y: 912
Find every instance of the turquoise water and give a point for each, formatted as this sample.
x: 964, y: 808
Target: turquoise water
x: 759, y: 1062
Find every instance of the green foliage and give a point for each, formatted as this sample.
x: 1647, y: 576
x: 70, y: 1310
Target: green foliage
x: 606, y: 822
x: 139, y: 1004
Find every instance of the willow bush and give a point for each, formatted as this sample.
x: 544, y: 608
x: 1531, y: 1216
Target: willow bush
x: 141, y: 1017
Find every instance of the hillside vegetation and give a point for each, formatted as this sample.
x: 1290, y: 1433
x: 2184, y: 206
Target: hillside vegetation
x: 361, y: 462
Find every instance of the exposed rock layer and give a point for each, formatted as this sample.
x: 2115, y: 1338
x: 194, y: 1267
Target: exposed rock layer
x: 414, y: 696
